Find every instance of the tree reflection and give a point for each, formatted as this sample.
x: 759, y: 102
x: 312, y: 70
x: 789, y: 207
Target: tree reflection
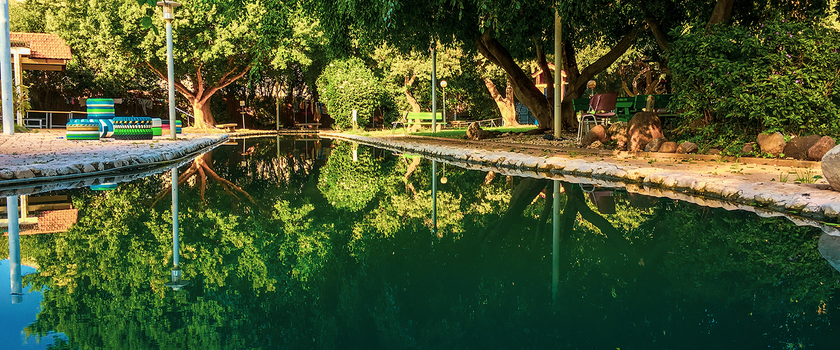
x: 322, y: 269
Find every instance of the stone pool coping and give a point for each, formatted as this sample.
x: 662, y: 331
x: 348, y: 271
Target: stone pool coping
x: 30, y: 159
x: 752, y: 189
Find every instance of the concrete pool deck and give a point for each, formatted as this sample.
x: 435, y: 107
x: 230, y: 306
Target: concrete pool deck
x: 769, y: 185
x: 47, y: 155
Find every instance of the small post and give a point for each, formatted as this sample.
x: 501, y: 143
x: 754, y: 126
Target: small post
x: 242, y: 111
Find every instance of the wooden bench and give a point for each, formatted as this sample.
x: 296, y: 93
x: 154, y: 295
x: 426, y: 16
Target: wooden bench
x: 308, y: 125
x: 227, y: 127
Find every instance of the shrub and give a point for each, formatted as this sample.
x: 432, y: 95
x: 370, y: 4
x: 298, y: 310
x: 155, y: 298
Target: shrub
x: 346, y: 85
x: 776, y: 76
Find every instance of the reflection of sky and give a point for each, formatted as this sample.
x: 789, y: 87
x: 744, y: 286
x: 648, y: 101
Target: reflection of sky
x: 15, y: 317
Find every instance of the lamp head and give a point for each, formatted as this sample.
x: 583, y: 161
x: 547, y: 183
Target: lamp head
x: 443, y: 83
x: 242, y: 103
x: 590, y: 84
x: 168, y: 9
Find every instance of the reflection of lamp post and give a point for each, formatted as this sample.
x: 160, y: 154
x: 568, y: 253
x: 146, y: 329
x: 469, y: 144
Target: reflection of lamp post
x: 14, y: 249
x: 168, y: 16
x: 176, y: 283
x: 443, y: 91
x: 443, y: 178
x: 242, y: 111
x: 434, y: 195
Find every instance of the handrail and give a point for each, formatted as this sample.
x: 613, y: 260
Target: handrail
x: 194, y: 120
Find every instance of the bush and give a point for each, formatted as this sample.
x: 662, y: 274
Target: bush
x: 776, y: 76
x: 346, y: 85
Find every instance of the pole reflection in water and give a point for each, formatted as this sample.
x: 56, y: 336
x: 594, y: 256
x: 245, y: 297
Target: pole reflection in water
x: 14, y: 249
x: 434, y: 196
x: 177, y: 283
x: 555, y: 245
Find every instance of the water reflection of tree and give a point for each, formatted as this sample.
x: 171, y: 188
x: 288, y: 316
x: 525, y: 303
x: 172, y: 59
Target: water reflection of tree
x: 201, y: 167
x: 305, y: 274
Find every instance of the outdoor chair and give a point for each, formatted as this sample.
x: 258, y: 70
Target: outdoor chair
x: 601, y: 109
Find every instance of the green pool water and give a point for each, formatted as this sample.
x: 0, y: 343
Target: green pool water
x: 307, y: 243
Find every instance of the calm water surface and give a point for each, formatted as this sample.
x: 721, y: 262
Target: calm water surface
x: 308, y: 243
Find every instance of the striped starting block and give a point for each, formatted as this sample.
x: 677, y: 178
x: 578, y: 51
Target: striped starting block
x: 100, y: 108
x: 82, y: 129
x: 133, y: 128
x: 164, y: 127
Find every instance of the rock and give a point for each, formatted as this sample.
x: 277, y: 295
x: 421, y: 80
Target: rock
x: 687, y: 148
x: 714, y: 151
x: 749, y: 147
x: 668, y: 147
x: 89, y: 168
x: 598, y: 133
x: 475, y: 132
x: 831, y: 167
x: 819, y: 149
x: 6, y: 174
x: 773, y: 143
x: 655, y: 144
x: 24, y: 174
x: 548, y: 137
x: 798, y: 147
x: 829, y: 247
x: 644, y: 127
x: 618, y: 133
x: 594, y: 145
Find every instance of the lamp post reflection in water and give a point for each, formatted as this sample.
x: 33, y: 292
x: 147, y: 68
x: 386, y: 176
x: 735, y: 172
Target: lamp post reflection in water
x: 434, y: 196
x: 14, y: 249
x: 177, y: 283
x: 555, y: 242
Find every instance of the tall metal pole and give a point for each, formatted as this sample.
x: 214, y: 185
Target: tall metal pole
x: 434, y: 90
x: 175, y: 244
x: 555, y: 242
x: 6, y: 70
x: 14, y: 249
x: 558, y: 75
x: 170, y: 75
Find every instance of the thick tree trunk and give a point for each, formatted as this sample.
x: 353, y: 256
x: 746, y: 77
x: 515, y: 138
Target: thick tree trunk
x: 523, y: 86
x: 721, y: 13
x: 505, y: 103
x: 415, y: 107
x: 201, y: 112
x: 546, y: 73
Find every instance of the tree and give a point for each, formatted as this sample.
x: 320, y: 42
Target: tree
x: 215, y: 43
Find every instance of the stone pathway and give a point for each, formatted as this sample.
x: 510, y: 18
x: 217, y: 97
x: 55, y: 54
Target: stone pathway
x: 33, y: 157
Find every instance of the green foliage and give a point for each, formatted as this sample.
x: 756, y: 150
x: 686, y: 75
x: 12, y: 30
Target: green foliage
x: 349, y: 184
x: 777, y: 76
x: 347, y: 85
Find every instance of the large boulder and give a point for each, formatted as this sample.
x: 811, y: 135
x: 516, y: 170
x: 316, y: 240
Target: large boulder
x: 655, y: 144
x: 475, y: 132
x: 598, y: 133
x: 687, y: 148
x: 668, y: 147
x: 831, y: 167
x: 618, y: 133
x: 773, y: 143
x: 644, y: 127
x: 798, y: 147
x: 819, y: 149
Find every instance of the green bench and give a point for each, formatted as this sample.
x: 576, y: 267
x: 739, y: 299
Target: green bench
x: 416, y: 120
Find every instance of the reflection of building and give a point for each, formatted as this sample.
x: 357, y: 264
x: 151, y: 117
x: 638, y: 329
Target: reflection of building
x: 42, y: 214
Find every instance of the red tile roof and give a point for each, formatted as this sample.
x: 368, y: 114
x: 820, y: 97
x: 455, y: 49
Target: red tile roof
x: 43, y: 45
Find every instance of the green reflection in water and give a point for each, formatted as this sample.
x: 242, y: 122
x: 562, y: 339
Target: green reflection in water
x: 301, y: 248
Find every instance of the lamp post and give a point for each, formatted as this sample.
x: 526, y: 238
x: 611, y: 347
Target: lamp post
x: 168, y: 16
x: 443, y: 92
x: 6, y: 70
x: 242, y: 111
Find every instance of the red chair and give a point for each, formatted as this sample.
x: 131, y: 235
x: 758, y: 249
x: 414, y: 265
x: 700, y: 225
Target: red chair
x: 601, y: 110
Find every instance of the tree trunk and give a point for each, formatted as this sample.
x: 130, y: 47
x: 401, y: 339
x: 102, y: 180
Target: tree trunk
x: 721, y: 13
x: 523, y: 86
x: 201, y: 112
x: 415, y: 107
x: 547, y: 78
x: 505, y: 103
